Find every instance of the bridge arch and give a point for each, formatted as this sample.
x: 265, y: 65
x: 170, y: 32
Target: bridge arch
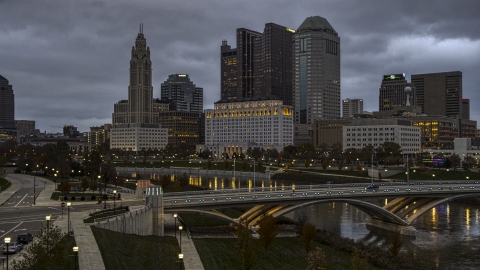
x: 424, y: 208
x: 369, y: 208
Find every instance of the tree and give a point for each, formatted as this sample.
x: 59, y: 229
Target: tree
x: 245, y: 246
x: 308, y: 234
x: 93, y: 186
x: 84, y: 183
x: 176, y: 186
x: 164, y: 181
x: 301, y: 221
x: 209, y: 164
x: 226, y: 164
x: 325, y: 164
x: 267, y: 232
x: 317, y: 260
x: 394, y: 242
x: 455, y: 160
x: 64, y: 187
x: 340, y: 165
x: 48, y: 251
x: 359, y: 262
x: 259, y: 166
x: 244, y: 165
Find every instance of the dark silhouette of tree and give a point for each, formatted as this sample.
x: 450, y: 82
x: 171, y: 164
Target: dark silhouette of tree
x: 84, y: 183
x: 300, y: 223
x: 455, y: 160
x: 267, y: 231
x: 359, y: 262
x: 308, y: 234
x: 245, y: 247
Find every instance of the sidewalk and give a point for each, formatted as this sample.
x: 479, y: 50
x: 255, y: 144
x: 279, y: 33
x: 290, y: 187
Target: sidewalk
x: 191, y: 260
x: 6, y: 194
x: 89, y: 256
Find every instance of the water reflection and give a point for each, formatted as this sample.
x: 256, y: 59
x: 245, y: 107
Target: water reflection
x: 445, y: 234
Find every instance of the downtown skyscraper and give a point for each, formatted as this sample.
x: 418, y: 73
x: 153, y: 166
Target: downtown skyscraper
x: 182, y: 94
x: 316, y: 71
x: 260, y: 66
x: 7, y: 104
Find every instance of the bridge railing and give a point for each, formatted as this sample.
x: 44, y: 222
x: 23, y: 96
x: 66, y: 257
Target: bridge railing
x: 134, y: 222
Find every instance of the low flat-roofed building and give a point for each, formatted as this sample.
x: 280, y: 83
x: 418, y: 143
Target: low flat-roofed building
x: 327, y: 132
x: 375, y: 132
x: 135, y: 137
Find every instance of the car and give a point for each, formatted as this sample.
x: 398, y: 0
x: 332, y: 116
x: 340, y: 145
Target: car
x: 461, y: 187
x: 419, y: 189
x: 352, y: 191
x: 340, y: 192
x: 187, y: 200
x: 451, y: 188
x: 397, y: 190
x: 440, y: 188
x: 407, y: 189
x: 267, y: 196
x: 372, y: 186
x: 429, y: 188
x: 385, y: 190
x: 364, y: 191
x: 25, y: 238
x: 316, y: 193
x: 13, y: 247
x: 472, y: 187
x: 280, y: 195
x: 201, y: 200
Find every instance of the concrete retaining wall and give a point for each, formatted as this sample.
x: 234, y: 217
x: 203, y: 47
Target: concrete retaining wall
x: 137, y: 222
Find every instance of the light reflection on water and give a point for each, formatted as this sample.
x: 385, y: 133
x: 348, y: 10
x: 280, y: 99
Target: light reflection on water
x: 446, y: 235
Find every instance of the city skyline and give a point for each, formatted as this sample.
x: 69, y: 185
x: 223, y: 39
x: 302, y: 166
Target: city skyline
x: 67, y: 62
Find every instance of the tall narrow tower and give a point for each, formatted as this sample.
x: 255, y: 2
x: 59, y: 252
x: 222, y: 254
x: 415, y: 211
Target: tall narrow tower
x: 140, y: 91
x: 7, y: 104
x: 316, y: 71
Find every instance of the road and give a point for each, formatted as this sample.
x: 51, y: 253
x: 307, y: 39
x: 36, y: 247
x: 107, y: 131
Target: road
x: 18, y: 214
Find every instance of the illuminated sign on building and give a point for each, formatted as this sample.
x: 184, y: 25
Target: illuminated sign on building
x: 182, y: 75
x: 394, y: 77
x: 290, y: 30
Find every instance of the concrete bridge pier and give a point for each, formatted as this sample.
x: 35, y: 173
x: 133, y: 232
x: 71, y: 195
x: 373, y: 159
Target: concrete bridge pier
x: 403, y: 229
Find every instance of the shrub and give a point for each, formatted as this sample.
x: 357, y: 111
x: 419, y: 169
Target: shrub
x: 93, y: 198
x: 82, y: 198
x: 104, y: 197
x: 65, y: 198
x: 73, y: 198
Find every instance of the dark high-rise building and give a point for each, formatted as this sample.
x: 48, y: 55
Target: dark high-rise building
x: 183, y: 126
x: 260, y: 66
x: 182, y: 94
x: 7, y: 104
x: 273, y: 72
x: 392, y: 92
x: 247, y: 50
x: 316, y: 71
x: 228, y: 72
x: 439, y: 93
x: 466, y: 108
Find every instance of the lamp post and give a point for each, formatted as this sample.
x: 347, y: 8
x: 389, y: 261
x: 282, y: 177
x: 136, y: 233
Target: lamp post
x: 47, y: 218
x: 175, y: 217
x: 7, y: 241
x: 34, y: 192
x: 68, y: 207
x: 114, y: 195
x: 180, y: 256
x: 75, y: 251
x: 254, y: 189
x: 180, y: 228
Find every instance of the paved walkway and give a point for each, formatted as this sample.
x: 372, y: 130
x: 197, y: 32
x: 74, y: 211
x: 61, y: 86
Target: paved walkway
x: 6, y: 194
x: 191, y: 259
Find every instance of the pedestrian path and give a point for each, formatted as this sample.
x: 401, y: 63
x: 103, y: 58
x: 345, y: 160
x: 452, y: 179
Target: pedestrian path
x: 191, y: 259
x: 6, y: 194
x: 89, y: 256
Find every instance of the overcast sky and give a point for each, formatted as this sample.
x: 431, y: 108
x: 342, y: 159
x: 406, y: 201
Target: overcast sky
x: 68, y: 61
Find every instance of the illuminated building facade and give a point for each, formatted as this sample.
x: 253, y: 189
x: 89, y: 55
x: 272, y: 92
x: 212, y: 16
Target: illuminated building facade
x: 392, y: 92
x: 316, y: 71
x: 182, y: 94
x: 351, y: 107
x: 99, y: 135
x: 136, y: 137
x: 228, y: 72
x: 183, y: 127
x: 233, y: 127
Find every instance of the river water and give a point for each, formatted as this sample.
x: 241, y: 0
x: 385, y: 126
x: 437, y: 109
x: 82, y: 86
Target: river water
x: 448, y: 234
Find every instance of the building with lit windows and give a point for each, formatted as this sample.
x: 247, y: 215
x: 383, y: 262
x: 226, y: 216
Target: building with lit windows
x: 351, y: 107
x: 316, y: 71
x: 182, y: 93
x: 234, y: 126
x: 135, y: 121
x: 328, y: 132
x: 392, y: 92
x: 375, y: 132
x: 99, y: 135
x: 260, y: 66
x: 183, y: 127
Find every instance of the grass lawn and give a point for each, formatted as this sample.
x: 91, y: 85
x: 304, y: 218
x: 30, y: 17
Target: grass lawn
x: 4, y: 184
x: 127, y: 251
x: 428, y: 175
x: 286, y: 253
